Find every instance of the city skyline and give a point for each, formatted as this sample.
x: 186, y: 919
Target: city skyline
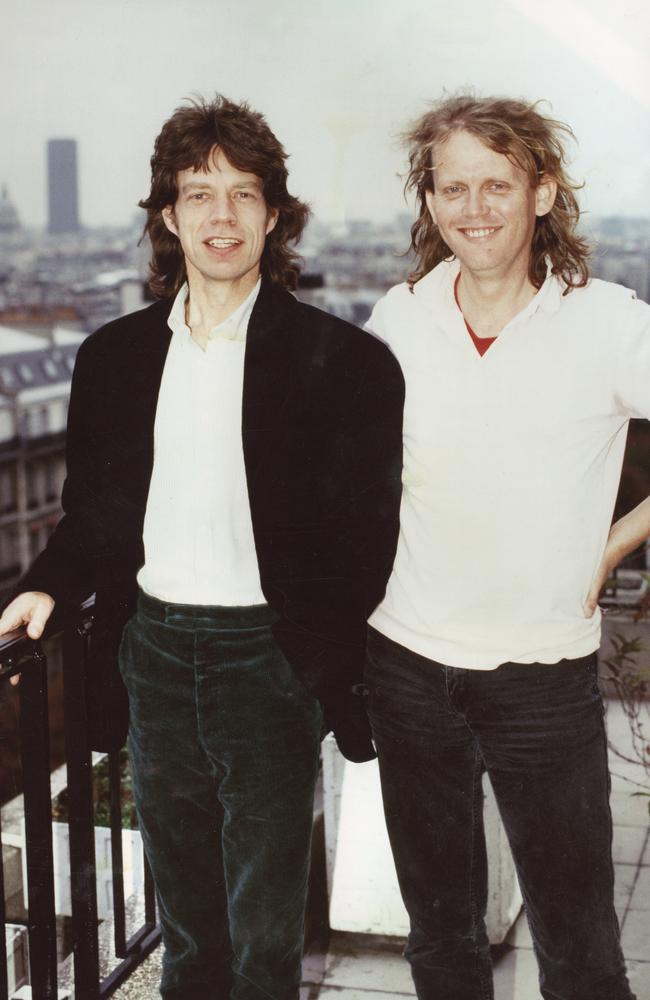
x: 337, y: 81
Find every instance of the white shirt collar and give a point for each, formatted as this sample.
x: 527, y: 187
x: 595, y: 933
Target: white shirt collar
x: 235, y: 327
x: 442, y: 279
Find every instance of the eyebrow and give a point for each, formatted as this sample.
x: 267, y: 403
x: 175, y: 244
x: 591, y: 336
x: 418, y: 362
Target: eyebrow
x: 486, y: 180
x: 204, y: 186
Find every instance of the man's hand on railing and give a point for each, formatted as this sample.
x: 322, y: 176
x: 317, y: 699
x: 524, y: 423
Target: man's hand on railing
x: 32, y: 610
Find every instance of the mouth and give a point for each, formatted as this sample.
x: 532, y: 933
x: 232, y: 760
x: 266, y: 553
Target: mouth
x: 222, y: 242
x: 480, y: 234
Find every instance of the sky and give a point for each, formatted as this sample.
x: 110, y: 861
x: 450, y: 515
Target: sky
x: 337, y: 80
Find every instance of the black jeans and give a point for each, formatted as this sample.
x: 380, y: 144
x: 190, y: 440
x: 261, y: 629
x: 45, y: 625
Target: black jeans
x: 538, y: 731
x: 224, y: 745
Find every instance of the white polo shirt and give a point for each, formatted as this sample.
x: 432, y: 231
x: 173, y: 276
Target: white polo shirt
x: 198, y: 534
x: 511, y: 467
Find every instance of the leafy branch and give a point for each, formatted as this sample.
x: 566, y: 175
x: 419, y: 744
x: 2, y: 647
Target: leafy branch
x: 631, y: 683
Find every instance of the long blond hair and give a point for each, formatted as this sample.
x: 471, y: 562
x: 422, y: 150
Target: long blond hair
x: 532, y: 141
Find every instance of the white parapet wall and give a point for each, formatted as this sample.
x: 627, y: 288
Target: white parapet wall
x: 17, y: 949
x: 13, y: 841
x: 132, y: 863
x: 362, y: 883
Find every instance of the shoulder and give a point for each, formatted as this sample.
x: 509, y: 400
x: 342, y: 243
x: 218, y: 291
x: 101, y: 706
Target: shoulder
x: 390, y: 314
x: 406, y: 308
x: 602, y: 305
x: 132, y: 331
x: 607, y: 295
x: 397, y: 299
x: 605, y: 330
x: 322, y: 334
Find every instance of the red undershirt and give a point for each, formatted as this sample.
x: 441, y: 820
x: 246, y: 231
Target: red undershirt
x: 480, y: 343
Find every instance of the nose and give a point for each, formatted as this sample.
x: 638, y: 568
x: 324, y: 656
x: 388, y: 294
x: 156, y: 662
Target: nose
x: 475, y: 203
x: 222, y: 210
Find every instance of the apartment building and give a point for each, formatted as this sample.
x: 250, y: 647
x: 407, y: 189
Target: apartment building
x: 35, y: 375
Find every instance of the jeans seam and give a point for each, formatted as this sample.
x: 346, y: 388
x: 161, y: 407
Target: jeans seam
x: 477, y: 800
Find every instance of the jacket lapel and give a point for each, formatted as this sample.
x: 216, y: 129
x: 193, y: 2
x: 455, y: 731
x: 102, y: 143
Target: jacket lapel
x: 268, y: 367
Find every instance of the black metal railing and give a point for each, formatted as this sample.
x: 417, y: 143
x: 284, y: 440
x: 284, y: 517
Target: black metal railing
x: 19, y: 655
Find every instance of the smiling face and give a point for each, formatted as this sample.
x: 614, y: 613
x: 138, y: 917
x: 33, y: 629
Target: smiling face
x: 221, y: 220
x: 485, y: 206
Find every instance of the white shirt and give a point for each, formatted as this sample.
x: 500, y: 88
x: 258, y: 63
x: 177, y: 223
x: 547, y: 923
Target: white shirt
x: 198, y: 535
x: 511, y: 468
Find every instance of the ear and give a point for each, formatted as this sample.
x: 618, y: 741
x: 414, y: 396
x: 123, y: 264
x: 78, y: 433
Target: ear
x: 271, y: 219
x: 545, y: 193
x: 170, y: 219
x: 430, y: 198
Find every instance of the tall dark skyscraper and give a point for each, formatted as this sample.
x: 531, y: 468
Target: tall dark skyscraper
x: 63, y: 196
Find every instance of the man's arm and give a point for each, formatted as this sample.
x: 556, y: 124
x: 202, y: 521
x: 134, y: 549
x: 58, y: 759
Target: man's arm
x: 630, y: 371
x: 624, y: 536
x: 369, y: 446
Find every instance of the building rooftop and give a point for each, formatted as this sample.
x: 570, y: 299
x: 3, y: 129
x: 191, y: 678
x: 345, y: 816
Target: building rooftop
x: 29, y: 361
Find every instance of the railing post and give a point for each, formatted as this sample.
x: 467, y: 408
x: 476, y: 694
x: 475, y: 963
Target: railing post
x: 83, y: 886
x: 35, y: 753
x: 117, y: 857
x: 4, y: 979
x: 149, y: 895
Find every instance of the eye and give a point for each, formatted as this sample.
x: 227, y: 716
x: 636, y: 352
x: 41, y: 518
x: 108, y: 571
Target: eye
x: 198, y: 196
x: 498, y: 186
x: 452, y: 189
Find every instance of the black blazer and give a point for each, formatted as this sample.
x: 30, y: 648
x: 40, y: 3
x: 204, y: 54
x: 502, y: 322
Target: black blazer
x: 321, y: 428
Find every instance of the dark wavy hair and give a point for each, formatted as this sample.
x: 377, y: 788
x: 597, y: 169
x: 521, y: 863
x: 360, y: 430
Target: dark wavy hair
x: 533, y: 142
x: 186, y: 141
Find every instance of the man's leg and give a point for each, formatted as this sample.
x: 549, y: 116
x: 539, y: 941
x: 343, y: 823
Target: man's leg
x: 541, y: 733
x: 224, y: 720
x: 262, y: 730
x: 433, y: 800
x: 179, y: 813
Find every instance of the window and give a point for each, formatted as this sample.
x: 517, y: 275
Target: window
x: 31, y: 422
x: 7, y: 489
x: 50, y: 368
x: 51, y: 481
x: 8, y: 378
x: 8, y: 552
x: 35, y: 540
x: 35, y: 484
x: 7, y: 424
x: 37, y: 421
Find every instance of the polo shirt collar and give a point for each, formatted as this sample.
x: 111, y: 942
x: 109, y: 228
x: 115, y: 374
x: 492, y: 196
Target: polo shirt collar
x: 437, y: 288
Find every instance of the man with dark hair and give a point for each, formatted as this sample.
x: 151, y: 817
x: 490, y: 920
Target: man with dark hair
x: 521, y: 377
x: 240, y: 453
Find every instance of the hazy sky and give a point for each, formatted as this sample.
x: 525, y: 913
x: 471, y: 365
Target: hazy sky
x: 337, y: 81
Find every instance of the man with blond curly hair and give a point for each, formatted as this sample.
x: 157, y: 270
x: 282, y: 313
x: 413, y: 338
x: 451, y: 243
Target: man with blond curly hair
x: 521, y: 377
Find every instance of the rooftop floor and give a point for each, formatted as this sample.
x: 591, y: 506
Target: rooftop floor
x: 357, y: 969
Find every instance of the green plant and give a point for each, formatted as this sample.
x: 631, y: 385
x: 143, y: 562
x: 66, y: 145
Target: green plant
x: 631, y: 684
x: 101, y: 796
x: 630, y: 680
